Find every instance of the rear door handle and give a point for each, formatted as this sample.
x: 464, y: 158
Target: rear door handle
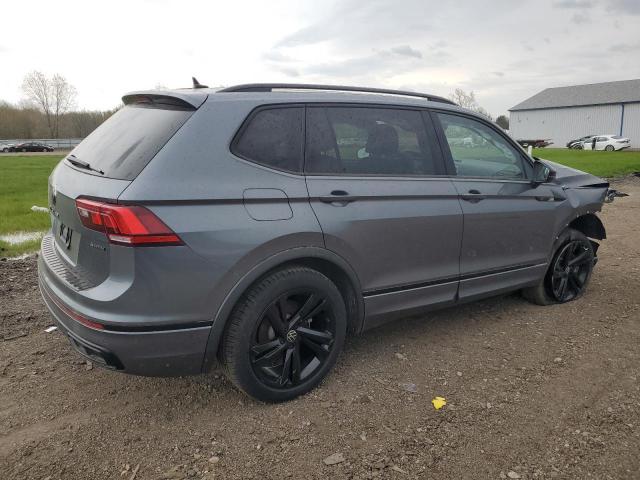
x: 338, y: 198
x: 474, y: 196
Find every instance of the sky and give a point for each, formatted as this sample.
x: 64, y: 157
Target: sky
x: 503, y: 50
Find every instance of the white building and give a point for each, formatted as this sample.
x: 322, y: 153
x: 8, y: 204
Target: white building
x: 566, y: 113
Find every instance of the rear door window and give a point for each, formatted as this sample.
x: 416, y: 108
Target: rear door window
x: 369, y: 141
x: 123, y: 145
x: 273, y: 137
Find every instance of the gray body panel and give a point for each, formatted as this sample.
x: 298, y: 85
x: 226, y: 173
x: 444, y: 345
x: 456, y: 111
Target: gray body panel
x: 405, y: 244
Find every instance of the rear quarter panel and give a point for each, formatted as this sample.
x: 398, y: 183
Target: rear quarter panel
x: 197, y: 187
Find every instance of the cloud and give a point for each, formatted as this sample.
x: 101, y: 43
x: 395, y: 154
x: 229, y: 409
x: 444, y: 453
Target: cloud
x: 427, y: 45
x: 625, y: 47
x: 392, y: 61
x: 407, y: 51
x: 288, y: 71
x: 573, y: 4
x: 527, y: 47
x: 581, y: 18
x: 631, y: 7
x: 277, y: 56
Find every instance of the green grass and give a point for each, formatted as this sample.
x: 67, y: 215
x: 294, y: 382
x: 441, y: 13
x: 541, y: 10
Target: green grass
x: 14, y: 250
x: 23, y: 183
x: 601, y: 164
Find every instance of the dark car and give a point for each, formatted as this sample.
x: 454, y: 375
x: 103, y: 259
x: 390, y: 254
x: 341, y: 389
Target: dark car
x: 259, y: 225
x: 31, y: 147
x: 577, y: 144
x: 539, y: 143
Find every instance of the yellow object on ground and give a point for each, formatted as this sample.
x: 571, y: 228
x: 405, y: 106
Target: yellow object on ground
x: 438, y: 402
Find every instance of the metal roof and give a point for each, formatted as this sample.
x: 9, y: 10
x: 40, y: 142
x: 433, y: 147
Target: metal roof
x: 625, y: 91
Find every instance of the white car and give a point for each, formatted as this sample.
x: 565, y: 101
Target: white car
x: 607, y: 142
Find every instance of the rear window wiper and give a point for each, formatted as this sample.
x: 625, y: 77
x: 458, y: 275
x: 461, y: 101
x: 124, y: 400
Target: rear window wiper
x: 73, y: 160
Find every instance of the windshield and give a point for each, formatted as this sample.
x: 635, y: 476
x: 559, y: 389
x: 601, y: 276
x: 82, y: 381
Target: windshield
x: 123, y: 145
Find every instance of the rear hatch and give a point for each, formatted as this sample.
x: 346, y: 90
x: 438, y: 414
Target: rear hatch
x: 98, y: 170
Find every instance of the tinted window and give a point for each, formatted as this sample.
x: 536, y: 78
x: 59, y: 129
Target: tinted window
x: 362, y: 140
x: 123, y: 145
x: 478, y: 150
x: 273, y: 137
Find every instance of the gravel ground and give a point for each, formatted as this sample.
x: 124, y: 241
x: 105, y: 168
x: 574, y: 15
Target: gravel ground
x: 532, y: 392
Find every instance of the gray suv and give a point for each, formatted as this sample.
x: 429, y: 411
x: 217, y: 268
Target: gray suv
x: 259, y: 225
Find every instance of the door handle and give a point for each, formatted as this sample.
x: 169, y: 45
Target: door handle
x: 473, y: 196
x: 338, y: 198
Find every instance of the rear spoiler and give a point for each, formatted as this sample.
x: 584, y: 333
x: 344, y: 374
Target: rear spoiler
x: 189, y: 99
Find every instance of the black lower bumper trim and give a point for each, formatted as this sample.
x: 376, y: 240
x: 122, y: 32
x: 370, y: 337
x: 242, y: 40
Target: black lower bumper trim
x: 94, y: 353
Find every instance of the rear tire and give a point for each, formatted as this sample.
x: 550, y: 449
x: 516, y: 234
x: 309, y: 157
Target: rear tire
x: 285, y: 334
x: 569, y: 271
x: 609, y: 148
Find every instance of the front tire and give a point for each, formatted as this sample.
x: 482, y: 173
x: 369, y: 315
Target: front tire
x: 285, y: 334
x: 569, y: 271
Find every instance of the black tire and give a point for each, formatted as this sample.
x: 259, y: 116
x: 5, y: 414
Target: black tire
x: 262, y: 356
x: 570, y: 246
x: 609, y: 148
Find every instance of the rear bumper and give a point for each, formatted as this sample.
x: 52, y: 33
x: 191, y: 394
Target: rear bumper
x: 149, y: 352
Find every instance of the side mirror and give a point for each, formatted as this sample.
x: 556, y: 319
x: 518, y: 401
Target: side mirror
x: 542, y: 173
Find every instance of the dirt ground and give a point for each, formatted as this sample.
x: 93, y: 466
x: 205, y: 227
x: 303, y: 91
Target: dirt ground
x: 532, y: 392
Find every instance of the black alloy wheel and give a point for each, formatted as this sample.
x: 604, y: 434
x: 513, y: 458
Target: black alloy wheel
x: 571, y: 270
x: 293, y: 339
x: 284, y: 334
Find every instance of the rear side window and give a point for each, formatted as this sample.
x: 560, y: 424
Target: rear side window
x: 273, y: 137
x: 369, y: 141
x: 123, y: 145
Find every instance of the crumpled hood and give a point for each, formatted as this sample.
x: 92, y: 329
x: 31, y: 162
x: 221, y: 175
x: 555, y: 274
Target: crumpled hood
x: 572, y: 178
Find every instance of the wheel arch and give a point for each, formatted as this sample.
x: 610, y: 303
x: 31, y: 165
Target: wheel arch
x: 325, y: 261
x: 590, y: 225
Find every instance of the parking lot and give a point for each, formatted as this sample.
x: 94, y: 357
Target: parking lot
x: 531, y: 392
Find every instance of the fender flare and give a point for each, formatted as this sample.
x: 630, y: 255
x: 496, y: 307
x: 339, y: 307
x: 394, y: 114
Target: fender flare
x: 271, y: 263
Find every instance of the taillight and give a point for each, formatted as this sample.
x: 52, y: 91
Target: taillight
x: 130, y: 225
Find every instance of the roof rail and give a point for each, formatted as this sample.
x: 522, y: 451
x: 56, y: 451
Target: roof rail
x: 269, y: 87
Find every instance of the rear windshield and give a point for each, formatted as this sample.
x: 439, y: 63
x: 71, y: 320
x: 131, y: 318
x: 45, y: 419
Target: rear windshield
x: 617, y: 137
x: 123, y: 145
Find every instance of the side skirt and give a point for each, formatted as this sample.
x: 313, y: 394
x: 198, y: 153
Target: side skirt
x: 386, y: 305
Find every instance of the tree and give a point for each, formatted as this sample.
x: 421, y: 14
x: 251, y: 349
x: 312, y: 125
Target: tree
x: 503, y: 122
x: 468, y: 101
x: 54, y: 96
